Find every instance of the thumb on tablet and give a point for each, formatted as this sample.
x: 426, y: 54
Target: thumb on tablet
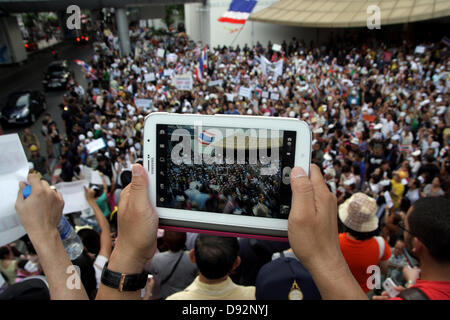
x: 139, y: 181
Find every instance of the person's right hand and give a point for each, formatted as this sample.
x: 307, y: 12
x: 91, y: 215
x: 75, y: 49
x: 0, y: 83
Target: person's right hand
x: 41, y: 211
x: 89, y: 194
x: 312, y: 228
x: 385, y: 295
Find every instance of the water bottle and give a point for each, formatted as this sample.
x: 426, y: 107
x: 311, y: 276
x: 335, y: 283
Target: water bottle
x: 71, y: 241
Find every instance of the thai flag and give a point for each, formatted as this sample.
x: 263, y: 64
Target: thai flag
x: 204, y: 58
x: 239, y: 11
x: 199, y: 70
x: 206, y: 137
x: 179, y: 68
x: 87, y: 68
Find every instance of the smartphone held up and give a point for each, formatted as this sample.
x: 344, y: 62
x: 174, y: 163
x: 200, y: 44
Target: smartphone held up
x: 228, y: 175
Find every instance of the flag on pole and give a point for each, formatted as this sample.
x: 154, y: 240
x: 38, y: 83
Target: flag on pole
x: 201, y: 65
x: 239, y: 11
x: 87, y: 68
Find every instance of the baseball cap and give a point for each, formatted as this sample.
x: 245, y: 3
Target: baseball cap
x: 276, y: 279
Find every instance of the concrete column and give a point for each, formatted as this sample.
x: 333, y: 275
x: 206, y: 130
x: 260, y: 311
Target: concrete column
x: 122, y: 30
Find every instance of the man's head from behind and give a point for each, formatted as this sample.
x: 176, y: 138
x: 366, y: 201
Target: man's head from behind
x: 216, y: 257
x: 428, y: 225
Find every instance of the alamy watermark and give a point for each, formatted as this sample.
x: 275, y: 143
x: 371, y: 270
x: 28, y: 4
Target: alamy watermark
x: 74, y: 20
x: 374, y: 20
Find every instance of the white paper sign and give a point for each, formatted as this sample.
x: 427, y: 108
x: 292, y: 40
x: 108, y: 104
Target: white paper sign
x: 13, y: 169
x: 143, y: 103
x: 230, y: 97
x: 265, y: 94
x: 149, y: 77
x: 96, y: 145
x: 183, y: 82
x: 171, y: 58
x: 93, y: 176
x: 73, y: 195
x: 388, y: 199
x: 276, y: 47
x: 160, y: 53
x: 245, y: 92
x: 215, y: 83
x: 420, y: 50
x: 275, y: 96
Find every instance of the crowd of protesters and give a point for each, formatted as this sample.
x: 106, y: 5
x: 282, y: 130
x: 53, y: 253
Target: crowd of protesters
x: 381, y: 134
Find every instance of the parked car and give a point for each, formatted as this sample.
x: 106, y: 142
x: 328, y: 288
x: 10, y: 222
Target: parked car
x: 23, y: 107
x: 57, y: 75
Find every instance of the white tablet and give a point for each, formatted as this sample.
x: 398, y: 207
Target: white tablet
x: 224, y: 174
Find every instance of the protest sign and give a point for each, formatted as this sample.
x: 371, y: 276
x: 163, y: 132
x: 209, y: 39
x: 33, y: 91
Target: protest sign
x: 93, y: 176
x: 276, y: 47
x: 215, y: 83
x: 73, y: 195
x: 96, y: 145
x: 149, y: 77
x: 265, y: 94
x: 13, y: 169
x: 184, y: 82
x: 274, y: 96
x: 143, y: 103
x: 160, y: 52
x: 171, y: 58
x: 273, y: 70
x: 245, y: 92
x: 420, y: 50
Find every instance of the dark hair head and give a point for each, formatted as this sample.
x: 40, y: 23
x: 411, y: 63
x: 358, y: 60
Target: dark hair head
x: 4, y: 251
x: 90, y: 239
x: 21, y: 264
x: 175, y: 241
x: 125, y: 178
x: 215, y: 255
x: 429, y: 221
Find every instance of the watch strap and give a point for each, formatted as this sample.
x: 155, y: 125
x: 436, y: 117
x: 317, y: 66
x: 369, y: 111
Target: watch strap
x: 122, y: 281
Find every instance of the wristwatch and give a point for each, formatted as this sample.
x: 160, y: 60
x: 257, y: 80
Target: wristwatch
x: 122, y: 281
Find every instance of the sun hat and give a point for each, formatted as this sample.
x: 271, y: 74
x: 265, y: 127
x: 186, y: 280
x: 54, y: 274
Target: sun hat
x: 359, y: 213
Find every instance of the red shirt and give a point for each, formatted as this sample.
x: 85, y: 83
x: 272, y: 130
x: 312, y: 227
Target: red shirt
x: 360, y: 254
x: 434, y: 290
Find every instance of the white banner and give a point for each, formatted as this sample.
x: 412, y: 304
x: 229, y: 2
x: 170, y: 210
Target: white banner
x: 73, y: 195
x: 215, y: 83
x: 273, y: 70
x: 13, y: 169
x: 183, y: 82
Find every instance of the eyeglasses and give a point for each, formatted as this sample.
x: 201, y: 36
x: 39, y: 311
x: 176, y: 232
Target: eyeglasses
x: 401, y: 225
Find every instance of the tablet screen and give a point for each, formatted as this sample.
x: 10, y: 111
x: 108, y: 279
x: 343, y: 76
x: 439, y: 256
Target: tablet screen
x: 225, y: 170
